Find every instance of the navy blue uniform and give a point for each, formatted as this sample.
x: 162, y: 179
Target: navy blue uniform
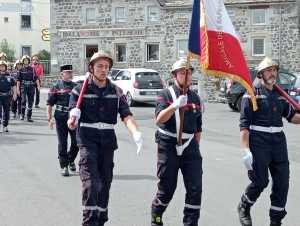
x: 169, y: 163
x: 27, y: 77
x: 15, y: 104
x: 6, y: 82
x: 59, y: 95
x: 97, y: 146
x: 269, y: 150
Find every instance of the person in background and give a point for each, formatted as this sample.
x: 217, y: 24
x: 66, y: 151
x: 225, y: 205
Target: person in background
x: 40, y: 72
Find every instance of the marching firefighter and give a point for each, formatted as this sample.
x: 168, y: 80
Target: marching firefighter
x: 16, y: 104
x: 96, y: 137
x: 39, y: 70
x: 59, y: 95
x: 171, y: 158
x: 6, y: 83
x: 26, y: 80
x: 3, y: 57
x: 264, y: 144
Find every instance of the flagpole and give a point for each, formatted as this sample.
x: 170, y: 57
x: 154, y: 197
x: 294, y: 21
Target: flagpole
x: 183, y: 108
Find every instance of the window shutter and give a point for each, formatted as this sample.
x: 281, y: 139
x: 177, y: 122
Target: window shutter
x: 258, y: 47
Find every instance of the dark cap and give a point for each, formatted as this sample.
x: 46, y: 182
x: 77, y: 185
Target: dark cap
x: 66, y: 67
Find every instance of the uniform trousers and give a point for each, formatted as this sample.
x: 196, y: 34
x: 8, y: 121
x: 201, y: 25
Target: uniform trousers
x: 65, y: 157
x: 276, y: 161
x: 5, y: 105
x: 27, y: 93
x: 168, y: 165
x: 96, y: 173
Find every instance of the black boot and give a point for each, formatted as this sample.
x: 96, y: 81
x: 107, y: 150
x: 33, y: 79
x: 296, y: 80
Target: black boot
x: 244, y: 214
x: 29, y: 119
x: 156, y: 219
x: 275, y: 223
x: 72, y: 166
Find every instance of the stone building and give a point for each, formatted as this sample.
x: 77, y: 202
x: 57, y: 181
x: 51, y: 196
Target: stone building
x: 154, y: 34
x: 25, y: 25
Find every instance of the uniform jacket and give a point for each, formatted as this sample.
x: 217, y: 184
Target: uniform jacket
x: 271, y: 108
x: 27, y: 74
x: 192, y: 116
x: 99, y: 105
x: 6, y: 82
x: 59, y: 94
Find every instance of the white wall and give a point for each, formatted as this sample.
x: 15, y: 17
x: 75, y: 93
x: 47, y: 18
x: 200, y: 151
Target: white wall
x: 39, y: 10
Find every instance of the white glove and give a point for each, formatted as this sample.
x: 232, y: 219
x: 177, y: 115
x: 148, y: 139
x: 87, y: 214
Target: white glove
x: 137, y: 136
x: 247, y: 158
x: 181, y: 101
x: 76, y: 112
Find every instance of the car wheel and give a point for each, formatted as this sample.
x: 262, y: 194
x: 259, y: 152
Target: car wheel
x: 233, y: 107
x: 239, y: 102
x: 130, y: 101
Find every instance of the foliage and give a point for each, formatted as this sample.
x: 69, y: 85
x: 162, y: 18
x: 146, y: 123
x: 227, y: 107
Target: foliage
x: 8, y: 49
x: 43, y: 55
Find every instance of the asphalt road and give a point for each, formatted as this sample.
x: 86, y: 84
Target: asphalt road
x: 32, y: 191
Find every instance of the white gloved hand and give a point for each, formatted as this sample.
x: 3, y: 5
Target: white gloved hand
x: 76, y: 112
x: 137, y: 136
x: 247, y: 158
x: 180, y: 102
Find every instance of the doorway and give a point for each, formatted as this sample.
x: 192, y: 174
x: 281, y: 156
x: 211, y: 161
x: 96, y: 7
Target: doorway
x: 89, y: 52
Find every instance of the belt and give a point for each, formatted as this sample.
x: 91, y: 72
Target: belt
x: 184, y: 135
x: 62, y: 108
x: 5, y: 94
x: 270, y: 129
x: 27, y: 82
x: 97, y: 125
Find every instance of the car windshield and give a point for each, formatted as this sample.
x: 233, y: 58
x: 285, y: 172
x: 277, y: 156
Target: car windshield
x: 144, y: 76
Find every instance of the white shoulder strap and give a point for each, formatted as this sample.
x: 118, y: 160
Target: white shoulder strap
x: 176, y: 112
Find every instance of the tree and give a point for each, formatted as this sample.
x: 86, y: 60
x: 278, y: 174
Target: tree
x: 8, y: 49
x: 43, y: 55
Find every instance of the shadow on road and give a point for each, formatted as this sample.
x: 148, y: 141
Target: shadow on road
x: 134, y: 177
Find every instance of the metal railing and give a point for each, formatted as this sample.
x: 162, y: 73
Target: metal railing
x: 46, y: 66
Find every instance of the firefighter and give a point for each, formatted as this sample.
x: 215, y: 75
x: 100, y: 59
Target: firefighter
x: 264, y: 144
x: 39, y: 70
x: 26, y: 80
x: 59, y: 95
x: 186, y: 157
x: 6, y: 83
x: 16, y: 104
x: 96, y: 137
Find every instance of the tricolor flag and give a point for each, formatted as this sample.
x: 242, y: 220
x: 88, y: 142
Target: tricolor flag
x: 214, y: 42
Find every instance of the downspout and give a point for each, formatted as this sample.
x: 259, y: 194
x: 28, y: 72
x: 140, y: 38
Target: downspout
x: 280, y: 28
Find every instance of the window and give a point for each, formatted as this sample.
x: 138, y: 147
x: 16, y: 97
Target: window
x: 120, y: 15
x: 25, y: 21
x: 120, y: 53
x: 285, y: 78
x: 231, y: 12
x: 126, y: 75
x: 258, y: 46
x: 182, y: 48
x: 258, y: 17
x: 153, y: 52
x: 90, y: 16
x: 119, y: 76
x: 153, y: 13
x: 26, y: 50
x: 5, y: 19
x: 182, y: 15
